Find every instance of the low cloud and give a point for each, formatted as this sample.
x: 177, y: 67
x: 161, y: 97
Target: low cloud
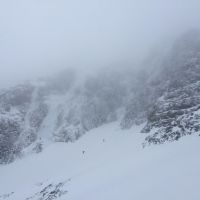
x: 39, y: 38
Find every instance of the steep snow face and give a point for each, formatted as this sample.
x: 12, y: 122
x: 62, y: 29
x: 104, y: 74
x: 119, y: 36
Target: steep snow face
x: 60, y: 109
x: 106, y: 163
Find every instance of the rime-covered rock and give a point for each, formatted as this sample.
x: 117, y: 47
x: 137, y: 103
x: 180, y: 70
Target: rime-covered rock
x: 176, y: 112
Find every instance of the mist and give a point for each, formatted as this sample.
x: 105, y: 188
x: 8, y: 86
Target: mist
x: 39, y: 38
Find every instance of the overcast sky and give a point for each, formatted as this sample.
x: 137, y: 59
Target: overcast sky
x: 38, y: 37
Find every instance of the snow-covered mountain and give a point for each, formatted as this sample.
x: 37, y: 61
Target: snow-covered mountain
x: 165, y: 98
x: 81, y: 136
x: 58, y: 109
x: 175, y: 112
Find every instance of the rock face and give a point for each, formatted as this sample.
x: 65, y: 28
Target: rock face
x: 44, y: 191
x: 176, y: 112
x: 14, y: 105
x: 63, y: 108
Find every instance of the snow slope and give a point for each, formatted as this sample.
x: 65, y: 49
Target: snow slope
x: 106, y: 164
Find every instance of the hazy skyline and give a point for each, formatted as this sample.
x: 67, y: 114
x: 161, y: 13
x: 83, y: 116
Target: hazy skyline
x: 39, y: 37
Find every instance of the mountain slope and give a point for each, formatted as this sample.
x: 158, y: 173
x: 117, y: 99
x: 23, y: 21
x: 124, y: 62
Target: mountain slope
x: 175, y: 112
x: 106, y: 163
x: 65, y: 107
x: 60, y: 109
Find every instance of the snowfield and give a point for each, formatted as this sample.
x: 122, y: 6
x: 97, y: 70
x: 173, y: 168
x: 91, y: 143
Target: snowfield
x: 106, y: 164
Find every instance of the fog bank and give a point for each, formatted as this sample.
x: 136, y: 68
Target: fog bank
x: 39, y: 38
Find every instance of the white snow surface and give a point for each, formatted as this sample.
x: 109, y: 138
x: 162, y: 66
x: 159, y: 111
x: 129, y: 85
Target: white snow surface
x: 108, y: 164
